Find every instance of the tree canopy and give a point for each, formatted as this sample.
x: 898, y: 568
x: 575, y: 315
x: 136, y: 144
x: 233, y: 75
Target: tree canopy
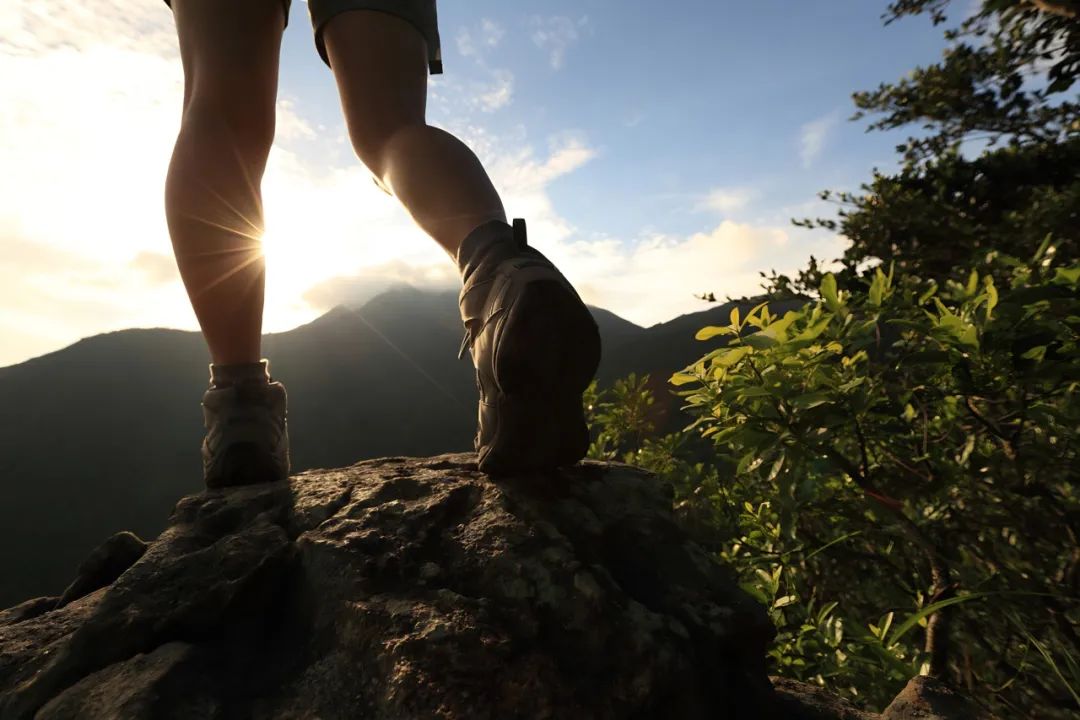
x: 993, y: 161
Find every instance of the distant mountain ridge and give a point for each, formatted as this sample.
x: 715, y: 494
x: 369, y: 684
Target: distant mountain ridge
x: 104, y: 435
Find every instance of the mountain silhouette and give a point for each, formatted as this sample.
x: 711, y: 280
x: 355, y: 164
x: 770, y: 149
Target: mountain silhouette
x: 104, y: 435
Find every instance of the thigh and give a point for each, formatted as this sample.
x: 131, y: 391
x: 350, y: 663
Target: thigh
x: 230, y: 49
x: 421, y: 14
x: 380, y: 64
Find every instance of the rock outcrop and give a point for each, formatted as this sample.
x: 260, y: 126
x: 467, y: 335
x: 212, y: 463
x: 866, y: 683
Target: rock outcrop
x: 405, y: 588
x: 402, y: 588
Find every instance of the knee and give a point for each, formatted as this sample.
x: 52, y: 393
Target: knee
x: 237, y: 116
x: 375, y: 145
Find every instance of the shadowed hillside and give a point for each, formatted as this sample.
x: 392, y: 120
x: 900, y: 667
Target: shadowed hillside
x: 104, y: 435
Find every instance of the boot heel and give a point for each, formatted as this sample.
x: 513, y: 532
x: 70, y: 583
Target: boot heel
x: 536, y: 432
x: 549, y: 352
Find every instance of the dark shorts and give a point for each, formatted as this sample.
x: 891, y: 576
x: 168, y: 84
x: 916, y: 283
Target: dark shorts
x: 420, y: 13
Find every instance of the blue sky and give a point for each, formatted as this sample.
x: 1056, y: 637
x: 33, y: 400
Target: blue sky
x: 656, y: 153
x: 716, y: 94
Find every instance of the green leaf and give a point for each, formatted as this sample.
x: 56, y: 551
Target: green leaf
x: 879, y: 287
x: 723, y: 435
x: 732, y: 356
x: 760, y: 341
x: 992, y: 295
x: 1068, y: 275
x: 943, y: 311
x: 929, y: 610
x: 828, y: 292
x: 1037, y: 353
x: 811, y: 400
x: 753, y: 318
x: 1049, y: 659
x: 812, y: 332
x: 755, y: 592
x: 929, y: 293
x: 825, y: 611
x: 965, y: 454
x: 886, y: 623
x: 829, y: 544
x: 752, y: 391
x: 778, y: 328
x: 682, y: 379
x: 876, y: 289
x: 712, y: 331
x: 748, y: 463
x: 734, y: 317
x: 1043, y: 247
x: 777, y: 466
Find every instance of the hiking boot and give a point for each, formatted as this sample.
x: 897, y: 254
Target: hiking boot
x: 247, y: 439
x: 535, y: 347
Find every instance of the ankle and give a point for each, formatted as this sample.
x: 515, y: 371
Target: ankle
x: 487, y: 244
x: 224, y: 375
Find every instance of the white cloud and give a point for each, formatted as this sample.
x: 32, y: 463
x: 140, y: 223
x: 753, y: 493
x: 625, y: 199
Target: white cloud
x: 91, y: 105
x: 491, y: 32
x: 33, y: 27
x: 646, y: 279
x: 91, y: 102
x: 474, y: 42
x: 92, y: 95
x: 522, y: 178
x: 489, y: 94
x: 465, y: 44
x: 156, y: 268
x: 724, y: 200
x: 498, y: 93
x: 290, y: 125
x: 656, y: 278
x: 458, y: 96
x: 633, y: 119
x: 556, y: 34
x: 814, y: 135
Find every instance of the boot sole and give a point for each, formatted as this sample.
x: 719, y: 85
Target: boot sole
x: 543, y: 365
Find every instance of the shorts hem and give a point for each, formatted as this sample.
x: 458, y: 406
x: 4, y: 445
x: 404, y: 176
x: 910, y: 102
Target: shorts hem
x: 285, y: 6
x: 431, y: 36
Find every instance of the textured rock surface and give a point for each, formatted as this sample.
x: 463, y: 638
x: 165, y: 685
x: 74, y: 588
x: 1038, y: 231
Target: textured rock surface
x: 401, y: 588
x: 801, y: 701
x: 404, y: 588
x: 104, y: 565
x: 927, y: 699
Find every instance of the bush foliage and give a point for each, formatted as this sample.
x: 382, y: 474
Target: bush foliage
x: 892, y: 468
x: 891, y: 471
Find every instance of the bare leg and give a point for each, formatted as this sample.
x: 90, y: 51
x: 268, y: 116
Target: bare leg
x: 380, y: 63
x: 531, y: 367
x: 213, y: 202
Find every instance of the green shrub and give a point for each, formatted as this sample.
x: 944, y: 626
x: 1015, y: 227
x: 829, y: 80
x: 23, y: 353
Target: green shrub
x: 892, y: 472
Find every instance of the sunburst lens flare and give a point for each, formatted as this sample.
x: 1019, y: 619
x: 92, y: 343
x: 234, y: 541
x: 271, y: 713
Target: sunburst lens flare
x: 253, y: 255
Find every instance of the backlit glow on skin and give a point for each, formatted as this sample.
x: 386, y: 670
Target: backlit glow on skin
x: 92, y: 96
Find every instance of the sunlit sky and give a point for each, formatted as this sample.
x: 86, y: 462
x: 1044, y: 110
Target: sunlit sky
x: 656, y: 152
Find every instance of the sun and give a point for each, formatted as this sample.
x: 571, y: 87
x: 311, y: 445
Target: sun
x: 292, y: 267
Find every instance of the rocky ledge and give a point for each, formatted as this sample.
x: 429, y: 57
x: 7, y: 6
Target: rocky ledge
x: 405, y: 588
